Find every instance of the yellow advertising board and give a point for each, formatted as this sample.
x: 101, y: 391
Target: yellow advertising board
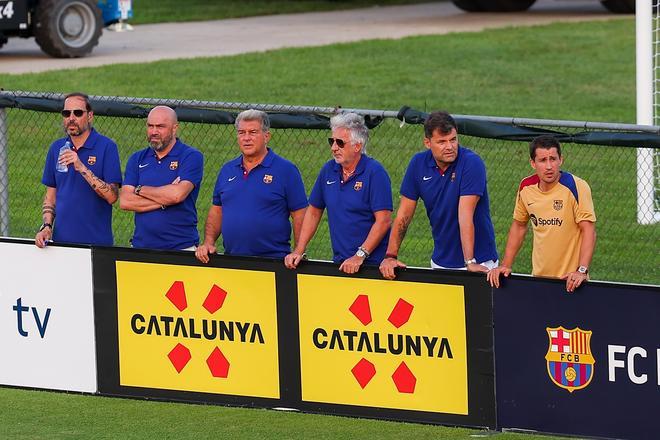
x: 382, y: 344
x: 201, y: 329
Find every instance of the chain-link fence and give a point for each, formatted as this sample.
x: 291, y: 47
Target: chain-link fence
x: 625, y: 251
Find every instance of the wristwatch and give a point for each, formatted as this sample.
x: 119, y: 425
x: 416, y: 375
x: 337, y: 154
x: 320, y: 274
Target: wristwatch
x: 470, y: 261
x: 44, y: 226
x: 137, y: 190
x: 362, y: 253
x: 583, y: 269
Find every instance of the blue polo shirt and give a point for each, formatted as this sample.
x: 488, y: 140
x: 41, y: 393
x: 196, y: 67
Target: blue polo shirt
x: 82, y: 216
x: 174, y: 227
x: 256, y: 206
x: 352, y: 204
x: 440, y: 193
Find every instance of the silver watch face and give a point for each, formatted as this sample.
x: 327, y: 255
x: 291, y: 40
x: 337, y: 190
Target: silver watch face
x: 582, y: 269
x: 360, y: 253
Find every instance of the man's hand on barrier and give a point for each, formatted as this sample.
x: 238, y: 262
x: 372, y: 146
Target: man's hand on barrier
x: 574, y: 280
x: 203, y: 251
x: 351, y: 265
x: 42, y: 237
x: 493, y: 275
x: 388, y: 267
x: 474, y: 267
x: 292, y: 260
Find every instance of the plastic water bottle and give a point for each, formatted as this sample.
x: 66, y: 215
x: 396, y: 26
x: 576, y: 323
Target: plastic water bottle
x: 61, y: 167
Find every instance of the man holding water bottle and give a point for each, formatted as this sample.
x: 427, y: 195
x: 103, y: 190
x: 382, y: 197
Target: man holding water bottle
x: 82, y: 177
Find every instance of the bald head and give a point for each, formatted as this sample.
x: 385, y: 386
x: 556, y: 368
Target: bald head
x: 162, y: 124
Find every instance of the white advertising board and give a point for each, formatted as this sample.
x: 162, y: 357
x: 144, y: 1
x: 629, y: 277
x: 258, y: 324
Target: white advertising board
x: 47, y: 318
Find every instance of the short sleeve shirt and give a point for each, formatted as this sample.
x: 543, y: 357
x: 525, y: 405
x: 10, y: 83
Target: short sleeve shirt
x: 352, y: 204
x: 441, y: 193
x: 81, y: 215
x: 174, y: 227
x: 555, y: 216
x: 256, y: 206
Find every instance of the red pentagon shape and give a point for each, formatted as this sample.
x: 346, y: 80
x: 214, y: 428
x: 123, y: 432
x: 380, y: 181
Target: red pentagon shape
x: 215, y: 299
x: 360, y: 308
x: 404, y: 379
x: 177, y: 295
x: 179, y: 356
x: 363, y: 371
x: 218, y: 363
x: 400, y: 313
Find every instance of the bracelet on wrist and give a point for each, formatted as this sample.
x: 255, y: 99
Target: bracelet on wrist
x: 395, y: 256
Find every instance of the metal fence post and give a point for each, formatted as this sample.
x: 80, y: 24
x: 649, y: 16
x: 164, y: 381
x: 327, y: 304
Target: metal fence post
x: 4, y: 174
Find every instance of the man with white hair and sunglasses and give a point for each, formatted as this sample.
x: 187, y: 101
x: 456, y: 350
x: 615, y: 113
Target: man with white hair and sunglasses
x: 357, y: 192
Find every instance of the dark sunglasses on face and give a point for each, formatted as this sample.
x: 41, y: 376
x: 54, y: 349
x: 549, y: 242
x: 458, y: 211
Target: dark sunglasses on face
x: 77, y: 113
x: 340, y: 142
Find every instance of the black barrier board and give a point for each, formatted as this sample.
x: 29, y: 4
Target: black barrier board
x: 161, y: 315
x: 585, y: 363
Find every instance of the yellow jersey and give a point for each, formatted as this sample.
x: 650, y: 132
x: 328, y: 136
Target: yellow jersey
x: 555, y: 215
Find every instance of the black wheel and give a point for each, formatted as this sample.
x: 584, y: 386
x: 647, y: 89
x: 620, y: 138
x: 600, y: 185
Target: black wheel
x: 506, y: 5
x: 468, y: 5
x: 493, y: 5
x: 619, y: 6
x: 67, y: 28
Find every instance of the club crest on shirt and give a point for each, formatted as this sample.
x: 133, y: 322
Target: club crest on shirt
x: 453, y: 176
x: 557, y: 204
x: 268, y: 178
x: 174, y: 165
x: 357, y: 186
x: 91, y: 160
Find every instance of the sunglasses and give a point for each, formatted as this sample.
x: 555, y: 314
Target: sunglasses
x: 340, y: 142
x: 77, y: 113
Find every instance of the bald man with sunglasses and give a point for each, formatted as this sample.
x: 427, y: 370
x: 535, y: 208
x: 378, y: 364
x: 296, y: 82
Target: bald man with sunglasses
x: 82, y: 176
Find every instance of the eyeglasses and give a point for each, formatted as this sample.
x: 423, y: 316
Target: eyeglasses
x: 77, y: 113
x: 340, y: 142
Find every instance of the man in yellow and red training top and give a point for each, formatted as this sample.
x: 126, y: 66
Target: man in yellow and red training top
x: 562, y: 213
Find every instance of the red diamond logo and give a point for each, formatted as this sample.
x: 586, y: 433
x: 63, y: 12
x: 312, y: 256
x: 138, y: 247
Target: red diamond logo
x: 404, y: 379
x: 400, y: 313
x: 179, y: 356
x: 218, y: 363
x: 215, y: 299
x: 363, y: 371
x: 177, y: 295
x: 360, y: 308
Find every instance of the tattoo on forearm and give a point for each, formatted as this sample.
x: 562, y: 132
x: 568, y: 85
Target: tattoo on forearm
x: 97, y: 184
x: 403, y: 228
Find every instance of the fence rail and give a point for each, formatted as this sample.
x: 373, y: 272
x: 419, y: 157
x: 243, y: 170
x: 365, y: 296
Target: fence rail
x: 626, y: 250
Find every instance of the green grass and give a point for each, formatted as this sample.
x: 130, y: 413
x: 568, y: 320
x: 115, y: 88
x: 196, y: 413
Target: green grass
x: 48, y: 415
x: 580, y: 71
x: 159, y: 11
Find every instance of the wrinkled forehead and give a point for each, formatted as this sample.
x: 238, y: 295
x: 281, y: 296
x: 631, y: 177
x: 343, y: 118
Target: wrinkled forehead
x: 160, y: 117
x: 74, y: 103
x: 342, y: 133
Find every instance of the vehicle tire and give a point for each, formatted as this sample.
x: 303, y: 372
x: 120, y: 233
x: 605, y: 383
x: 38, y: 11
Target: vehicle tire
x: 493, y: 5
x: 468, y: 5
x: 67, y: 28
x: 619, y: 6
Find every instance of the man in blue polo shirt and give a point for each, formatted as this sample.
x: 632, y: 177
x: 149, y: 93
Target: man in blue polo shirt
x: 451, y: 180
x: 254, y: 196
x: 82, y: 176
x: 358, y: 194
x: 161, y: 186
